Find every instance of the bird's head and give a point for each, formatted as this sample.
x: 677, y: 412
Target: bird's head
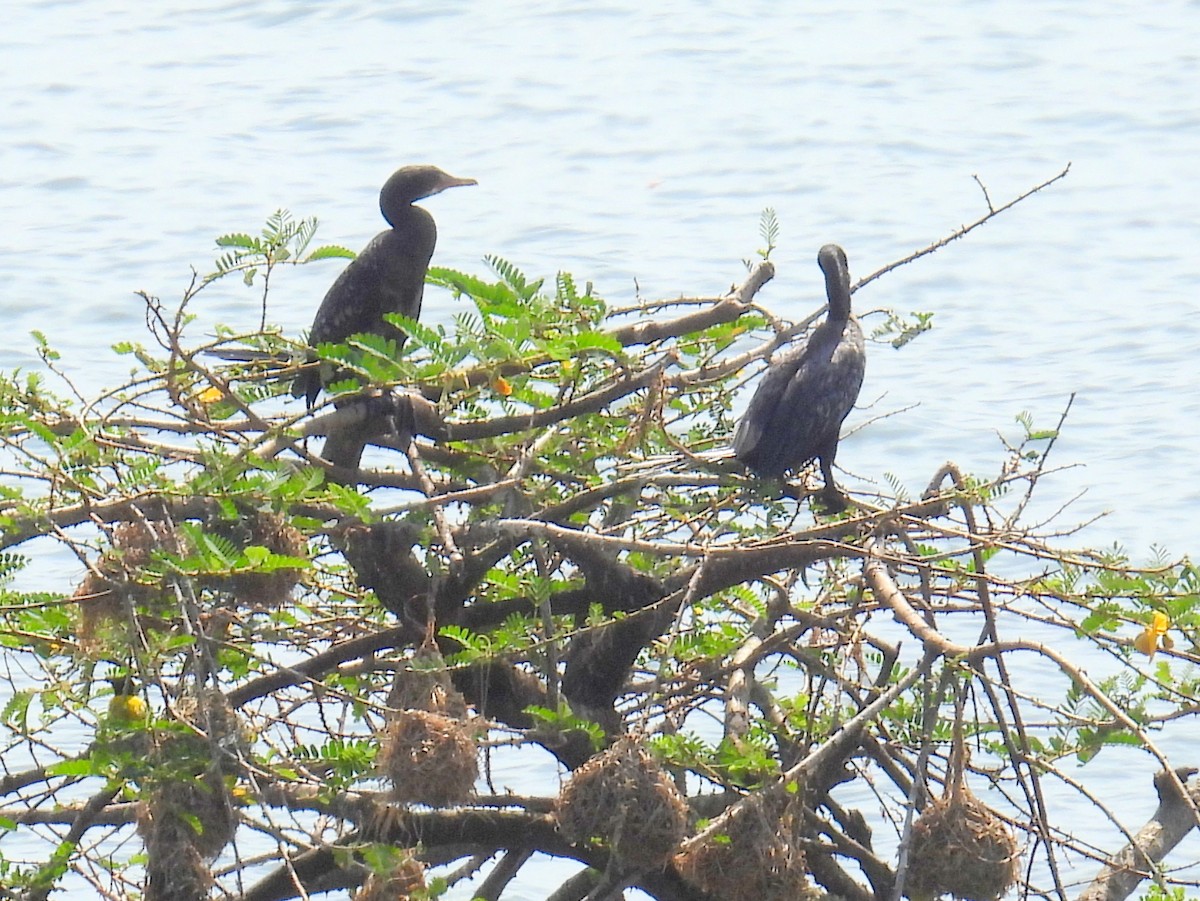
x: 409, y: 184
x: 832, y: 260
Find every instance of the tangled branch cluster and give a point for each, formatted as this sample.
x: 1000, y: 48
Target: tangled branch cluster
x: 286, y: 674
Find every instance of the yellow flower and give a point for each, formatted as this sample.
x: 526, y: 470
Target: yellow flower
x: 210, y: 395
x: 1150, y: 638
x: 501, y: 385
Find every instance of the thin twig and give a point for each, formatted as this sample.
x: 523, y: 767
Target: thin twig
x: 958, y: 233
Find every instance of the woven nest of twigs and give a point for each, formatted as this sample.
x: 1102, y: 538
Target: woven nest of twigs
x: 116, y: 593
x: 423, y: 684
x: 625, y: 800
x: 262, y: 528
x: 429, y: 758
x: 214, y: 718
x: 398, y: 884
x: 186, y: 798
x: 754, y: 854
x: 960, y: 847
x: 187, y: 813
x: 175, y: 871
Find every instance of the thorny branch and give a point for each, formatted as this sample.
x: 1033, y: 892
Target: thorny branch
x: 964, y: 230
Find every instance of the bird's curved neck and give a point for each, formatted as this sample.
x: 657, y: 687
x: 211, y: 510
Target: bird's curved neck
x: 397, y: 215
x: 837, y: 290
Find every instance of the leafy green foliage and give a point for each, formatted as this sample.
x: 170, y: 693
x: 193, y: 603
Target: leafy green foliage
x: 282, y: 240
x: 1158, y: 892
x: 768, y: 230
x: 899, y: 330
x: 341, y: 763
x: 562, y: 721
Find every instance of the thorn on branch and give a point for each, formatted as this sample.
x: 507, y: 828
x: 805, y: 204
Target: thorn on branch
x: 958, y: 233
x: 987, y: 197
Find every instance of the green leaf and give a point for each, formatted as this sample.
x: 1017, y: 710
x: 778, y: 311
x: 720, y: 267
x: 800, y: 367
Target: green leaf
x: 331, y: 251
x: 81, y: 767
x: 238, y: 239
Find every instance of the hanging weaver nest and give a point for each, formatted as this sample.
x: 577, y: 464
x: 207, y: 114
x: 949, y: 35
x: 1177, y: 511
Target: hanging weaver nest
x: 623, y: 798
x: 424, y: 685
x: 186, y: 797
x: 261, y: 528
x: 175, y: 871
x: 398, y: 884
x: 218, y: 724
x: 116, y: 593
x: 960, y: 847
x: 429, y: 758
x: 755, y: 855
x: 178, y: 814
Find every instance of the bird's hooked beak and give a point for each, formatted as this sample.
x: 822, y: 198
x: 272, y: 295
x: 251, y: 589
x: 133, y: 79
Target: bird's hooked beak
x: 453, y: 181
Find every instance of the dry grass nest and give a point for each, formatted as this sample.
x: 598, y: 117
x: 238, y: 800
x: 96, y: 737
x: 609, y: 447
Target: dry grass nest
x: 183, y: 823
x: 212, y: 716
x: 960, y: 847
x: 262, y: 528
x: 423, y: 684
x: 754, y: 855
x: 429, y: 758
x: 624, y: 798
x: 186, y: 797
x: 399, y: 884
x: 181, y: 814
x: 116, y: 594
x: 175, y: 871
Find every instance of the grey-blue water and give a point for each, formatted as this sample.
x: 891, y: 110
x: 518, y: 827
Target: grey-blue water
x: 635, y: 144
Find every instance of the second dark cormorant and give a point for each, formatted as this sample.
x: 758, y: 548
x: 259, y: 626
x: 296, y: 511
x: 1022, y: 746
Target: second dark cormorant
x: 796, y: 414
x: 387, y: 277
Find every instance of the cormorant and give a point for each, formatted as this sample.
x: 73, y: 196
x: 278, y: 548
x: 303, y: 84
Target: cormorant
x: 796, y: 414
x: 387, y: 277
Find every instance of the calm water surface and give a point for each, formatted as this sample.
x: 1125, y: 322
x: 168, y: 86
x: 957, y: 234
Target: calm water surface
x: 636, y: 144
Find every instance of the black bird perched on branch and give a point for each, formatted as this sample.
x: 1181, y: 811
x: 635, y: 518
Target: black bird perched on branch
x: 387, y: 277
x: 796, y: 414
